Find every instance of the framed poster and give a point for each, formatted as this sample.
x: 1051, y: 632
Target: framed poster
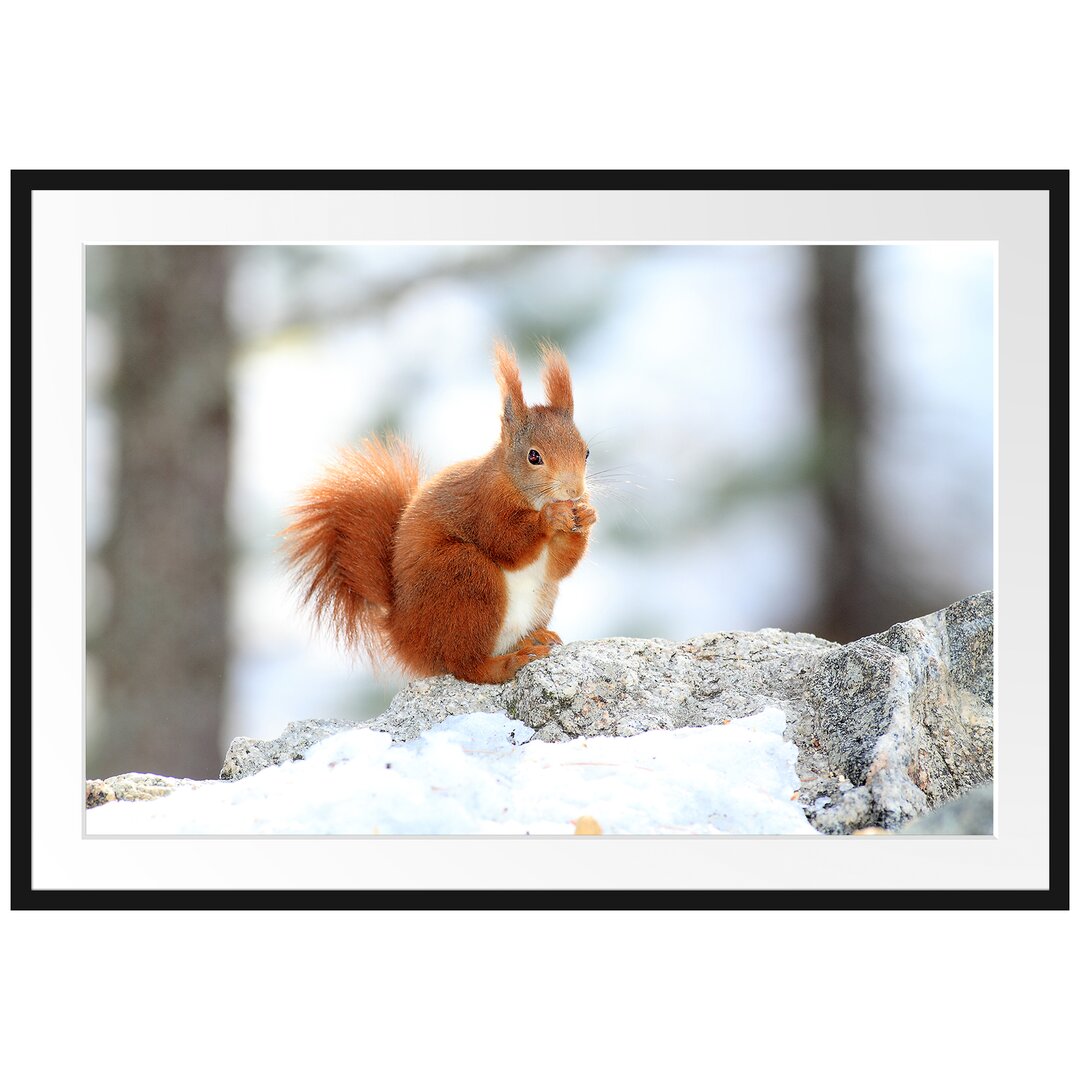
x: 1016, y: 222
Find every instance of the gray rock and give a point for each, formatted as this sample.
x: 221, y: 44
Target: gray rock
x: 888, y: 727
x: 132, y: 787
x: 907, y: 714
x: 616, y: 686
x: 624, y: 686
x: 245, y: 757
x: 970, y: 815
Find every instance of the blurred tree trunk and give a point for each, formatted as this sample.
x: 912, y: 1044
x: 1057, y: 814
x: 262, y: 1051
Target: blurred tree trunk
x: 163, y: 651
x: 849, y: 605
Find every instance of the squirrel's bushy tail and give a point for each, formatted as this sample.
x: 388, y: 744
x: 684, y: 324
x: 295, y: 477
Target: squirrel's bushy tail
x: 340, y: 542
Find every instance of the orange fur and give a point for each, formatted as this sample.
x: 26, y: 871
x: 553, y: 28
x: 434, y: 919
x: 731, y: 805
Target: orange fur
x: 423, y: 575
x: 557, y: 378
x: 339, y: 542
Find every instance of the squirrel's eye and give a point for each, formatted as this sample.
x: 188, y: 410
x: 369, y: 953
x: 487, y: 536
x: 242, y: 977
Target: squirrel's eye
x: 535, y: 458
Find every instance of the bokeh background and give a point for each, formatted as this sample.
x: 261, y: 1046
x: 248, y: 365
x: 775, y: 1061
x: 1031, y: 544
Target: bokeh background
x: 781, y: 435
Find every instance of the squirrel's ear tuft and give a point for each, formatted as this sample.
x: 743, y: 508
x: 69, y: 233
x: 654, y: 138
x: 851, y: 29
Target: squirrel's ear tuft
x: 509, y: 380
x: 556, y: 378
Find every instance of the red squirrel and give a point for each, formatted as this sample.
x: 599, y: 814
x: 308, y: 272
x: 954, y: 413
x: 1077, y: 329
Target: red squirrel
x: 458, y: 575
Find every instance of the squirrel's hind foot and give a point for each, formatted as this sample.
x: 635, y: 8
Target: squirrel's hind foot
x: 502, y: 668
x: 538, y: 637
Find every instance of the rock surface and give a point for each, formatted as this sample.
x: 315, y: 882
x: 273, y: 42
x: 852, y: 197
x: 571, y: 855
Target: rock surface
x: 133, y: 787
x: 906, y: 716
x: 972, y: 814
x: 887, y: 727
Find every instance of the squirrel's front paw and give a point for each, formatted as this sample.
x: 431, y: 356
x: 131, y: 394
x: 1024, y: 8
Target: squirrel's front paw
x: 559, y: 516
x: 584, y: 516
x: 566, y: 516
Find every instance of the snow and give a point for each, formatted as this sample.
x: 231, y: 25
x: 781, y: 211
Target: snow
x: 484, y: 773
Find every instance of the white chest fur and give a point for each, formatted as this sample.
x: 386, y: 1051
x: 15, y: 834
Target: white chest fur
x: 528, y: 602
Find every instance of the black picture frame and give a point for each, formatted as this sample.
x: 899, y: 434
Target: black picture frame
x: 26, y: 183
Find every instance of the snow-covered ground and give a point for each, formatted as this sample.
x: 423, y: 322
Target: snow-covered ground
x: 480, y: 773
